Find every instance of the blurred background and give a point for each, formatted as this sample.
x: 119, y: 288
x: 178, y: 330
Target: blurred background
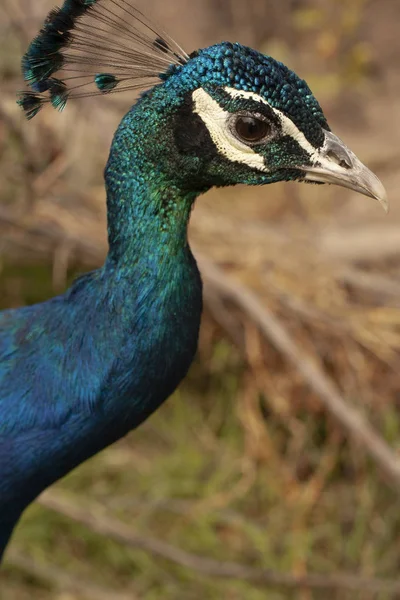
x: 245, y: 463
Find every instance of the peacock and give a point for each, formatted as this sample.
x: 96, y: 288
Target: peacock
x: 83, y: 369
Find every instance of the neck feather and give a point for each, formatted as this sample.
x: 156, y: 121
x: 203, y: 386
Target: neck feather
x: 148, y: 202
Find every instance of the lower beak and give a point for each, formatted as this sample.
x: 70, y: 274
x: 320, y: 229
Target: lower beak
x: 337, y: 164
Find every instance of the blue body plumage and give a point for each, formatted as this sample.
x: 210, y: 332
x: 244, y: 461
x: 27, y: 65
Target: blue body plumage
x: 68, y: 391
x: 81, y: 370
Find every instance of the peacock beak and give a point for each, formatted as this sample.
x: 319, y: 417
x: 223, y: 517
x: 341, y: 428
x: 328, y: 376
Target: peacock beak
x: 337, y: 164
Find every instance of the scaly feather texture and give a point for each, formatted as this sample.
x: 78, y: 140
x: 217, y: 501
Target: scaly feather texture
x: 80, y: 371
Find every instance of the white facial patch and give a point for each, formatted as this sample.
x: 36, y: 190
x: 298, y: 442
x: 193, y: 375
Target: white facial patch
x: 288, y: 127
x: 216, y: 120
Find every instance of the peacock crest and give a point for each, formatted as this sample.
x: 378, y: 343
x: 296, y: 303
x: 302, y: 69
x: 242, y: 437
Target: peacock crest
x: 92, y: 47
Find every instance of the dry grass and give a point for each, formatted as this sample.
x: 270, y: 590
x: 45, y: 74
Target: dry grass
x: 245, y: 463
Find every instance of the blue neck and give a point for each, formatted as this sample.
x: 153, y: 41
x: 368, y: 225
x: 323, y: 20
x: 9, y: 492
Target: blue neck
x: 118, y: 343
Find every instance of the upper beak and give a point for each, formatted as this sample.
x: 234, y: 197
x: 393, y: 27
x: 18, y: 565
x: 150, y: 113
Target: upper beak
x: 335, y: 163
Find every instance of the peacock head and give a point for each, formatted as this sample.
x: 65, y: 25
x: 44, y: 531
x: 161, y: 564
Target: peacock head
x: 223, y: 115
x: 254, y: 121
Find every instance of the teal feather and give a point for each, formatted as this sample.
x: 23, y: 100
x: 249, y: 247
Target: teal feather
x: 106, y: 81
x: 30, y: 104
x: 58, y: 94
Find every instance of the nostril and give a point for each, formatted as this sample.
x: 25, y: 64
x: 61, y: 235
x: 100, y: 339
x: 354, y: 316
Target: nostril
x: 343, y: 162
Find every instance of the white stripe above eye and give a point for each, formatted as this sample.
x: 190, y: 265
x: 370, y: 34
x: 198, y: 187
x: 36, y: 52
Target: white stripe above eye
x: 216, y: 121
x: 288, y: 127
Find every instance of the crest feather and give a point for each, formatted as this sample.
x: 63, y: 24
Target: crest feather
x: 92, y: 47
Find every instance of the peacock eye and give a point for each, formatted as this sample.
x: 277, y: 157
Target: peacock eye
x: 250, y: 129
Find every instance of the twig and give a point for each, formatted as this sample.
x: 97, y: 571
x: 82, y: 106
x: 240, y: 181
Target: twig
x: 94, y: 518
x: 28, y: 158
x: 61, y: 258
x: 47, y: 178
x: 372, y: 282
x: 224, y: 319
x: 356, y: 425
x: 63, y: 581
x: 90, y: 253
x: 369, y: 243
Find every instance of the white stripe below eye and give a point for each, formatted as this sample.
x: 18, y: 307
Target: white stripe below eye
x: 216, y: 120
x: 288, y: 127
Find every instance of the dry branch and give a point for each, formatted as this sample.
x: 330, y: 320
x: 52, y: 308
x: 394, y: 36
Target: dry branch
x: 367, y: 243
x: 381, y: 285
x: 354, y: 423
x: 63, y: 581
x: 94, y: 518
